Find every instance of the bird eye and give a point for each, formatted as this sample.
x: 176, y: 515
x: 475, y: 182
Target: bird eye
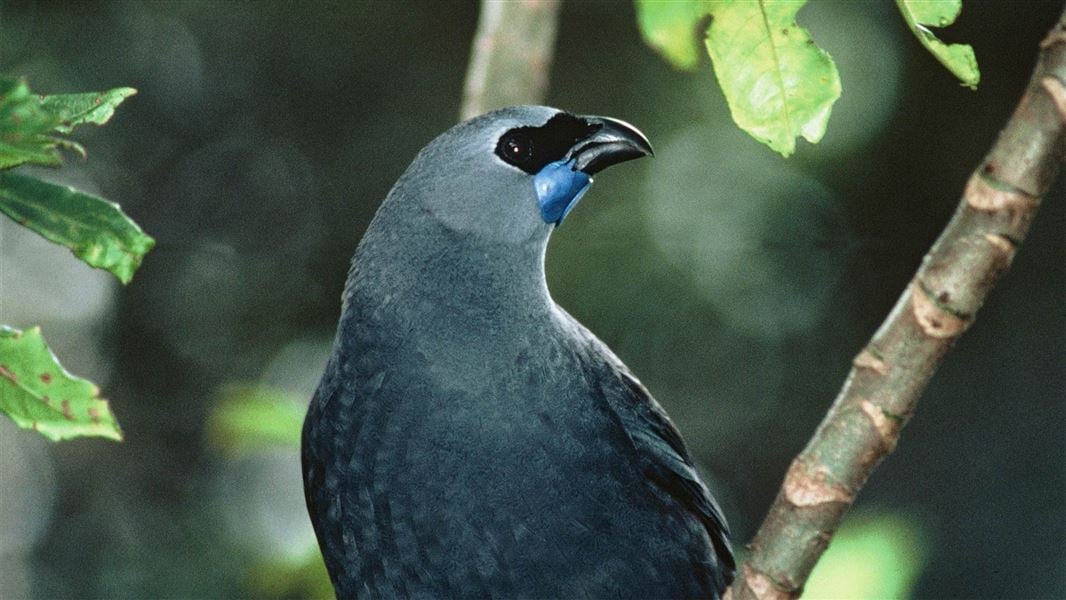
x: 516, y: 149
x: 519, y: 149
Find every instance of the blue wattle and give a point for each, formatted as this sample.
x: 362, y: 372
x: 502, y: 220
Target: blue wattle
x: 559, y: 187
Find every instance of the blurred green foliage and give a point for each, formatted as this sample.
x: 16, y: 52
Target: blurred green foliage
x: 871, y: 557
x: 306, y: 578
x: 251, y: 417
x: 669, y: 27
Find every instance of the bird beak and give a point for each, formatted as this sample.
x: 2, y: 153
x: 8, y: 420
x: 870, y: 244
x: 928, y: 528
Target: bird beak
x: 560, y: 184
x: 614, y: 142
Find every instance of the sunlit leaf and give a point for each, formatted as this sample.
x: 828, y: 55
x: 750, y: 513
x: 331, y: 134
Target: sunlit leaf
x: 251, y: 417
x: 96, y: 230
x: 37, y: 393
x: 76, y: 109
x: 25, y: 127
x: 670, y: 28
x: 778, y: 83
x: 958, y: 58
x: 870, y: 557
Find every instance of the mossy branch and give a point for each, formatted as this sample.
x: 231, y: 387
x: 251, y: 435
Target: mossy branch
x: 511, y: 55
x: 939, y: 304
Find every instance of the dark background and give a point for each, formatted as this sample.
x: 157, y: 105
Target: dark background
x: 736, y: 284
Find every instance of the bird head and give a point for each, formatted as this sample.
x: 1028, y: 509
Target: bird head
x: 514, y: 174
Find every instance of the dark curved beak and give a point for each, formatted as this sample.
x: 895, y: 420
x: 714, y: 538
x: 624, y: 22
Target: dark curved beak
x: 614, y: 142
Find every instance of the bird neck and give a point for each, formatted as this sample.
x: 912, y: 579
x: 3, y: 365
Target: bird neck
x: 426, y: 270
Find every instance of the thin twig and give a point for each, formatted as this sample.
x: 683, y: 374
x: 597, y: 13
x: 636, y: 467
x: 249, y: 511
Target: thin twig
x: 892, y: 371
x: 511, y: 55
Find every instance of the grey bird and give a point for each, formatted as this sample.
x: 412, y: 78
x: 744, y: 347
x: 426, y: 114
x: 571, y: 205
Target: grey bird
x: 469, y: 438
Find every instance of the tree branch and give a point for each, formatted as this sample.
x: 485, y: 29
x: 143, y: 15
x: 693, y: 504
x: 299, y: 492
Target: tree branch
x: 511, y: 55
x: 892, y: 371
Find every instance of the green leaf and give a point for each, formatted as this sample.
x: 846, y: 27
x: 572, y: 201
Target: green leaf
x: 28, y: 120
x: 958, y: 58
x: 37, y: 393
x: 670, y: 28
x: 96, y: 230
x: 24, y: 127
x: 75, y: 109
x: 251, y: 417
x: 778, y: 84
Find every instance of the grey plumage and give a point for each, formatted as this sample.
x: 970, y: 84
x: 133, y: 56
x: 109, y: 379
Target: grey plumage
x: 470, y: 438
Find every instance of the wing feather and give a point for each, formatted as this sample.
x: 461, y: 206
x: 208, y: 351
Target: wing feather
x: 657, y: 441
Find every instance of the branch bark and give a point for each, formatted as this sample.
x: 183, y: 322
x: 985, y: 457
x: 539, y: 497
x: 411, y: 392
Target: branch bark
x: 892, y: 371
x: 511, y: 55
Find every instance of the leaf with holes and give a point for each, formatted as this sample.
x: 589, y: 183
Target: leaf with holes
x: 96, y: 230
x: 778, y: 83
x: 958, y: 58
x: 37, y: 393
x: 28, y: 121
x: 25, y: 127
x: 72, y: 110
